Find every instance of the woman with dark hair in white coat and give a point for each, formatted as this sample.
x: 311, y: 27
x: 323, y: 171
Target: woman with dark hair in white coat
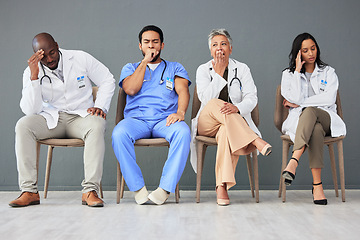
x: 309, y: 87
x: 228, y: 95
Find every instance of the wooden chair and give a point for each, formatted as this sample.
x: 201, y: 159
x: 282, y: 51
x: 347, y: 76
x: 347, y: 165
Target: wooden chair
x: 280, y: 115
x: 203, y: 142
x: 58, y: 142
x: 145, y: 142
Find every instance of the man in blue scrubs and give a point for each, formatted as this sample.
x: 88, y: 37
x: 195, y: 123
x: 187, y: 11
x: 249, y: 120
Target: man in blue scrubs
x: 157, y: 99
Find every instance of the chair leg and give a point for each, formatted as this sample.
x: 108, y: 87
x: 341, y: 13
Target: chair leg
x: 256, y: 175
x: 37, y: 160
x: 333, y: 168
x: 122, y: 187
x: 282, y: 187
x: 118, y: 182
x: 48, y: 168
x: 201, y: 149
x: 177, y: 193
x: 250, y: 173
x: 341, y: 169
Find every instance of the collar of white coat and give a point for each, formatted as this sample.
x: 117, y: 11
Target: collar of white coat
x: 67, y: 61
x: 316, y: 71
x: 60, y: 64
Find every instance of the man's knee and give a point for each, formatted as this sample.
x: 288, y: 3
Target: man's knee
x: 26, y: 123
x: 97, y: 125
x: 120, y: 133
x: 183, y: 131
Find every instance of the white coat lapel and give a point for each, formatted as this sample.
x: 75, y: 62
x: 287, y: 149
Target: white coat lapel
x: 67, y: 63
x: 212, y: 71
x: 314, y: 80
x: 231, y: 69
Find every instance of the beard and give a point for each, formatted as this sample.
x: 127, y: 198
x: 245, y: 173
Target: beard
x: 155, y: 58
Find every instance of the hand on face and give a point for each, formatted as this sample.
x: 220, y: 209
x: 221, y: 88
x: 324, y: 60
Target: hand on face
x: 299, y: 63
x: 97, y: 111
x: 150, y: 54
x: 220, y: 62
x: 33, y: 63
x: 229, y: 108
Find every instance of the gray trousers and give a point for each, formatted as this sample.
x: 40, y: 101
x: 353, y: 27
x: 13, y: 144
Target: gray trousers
x: 313, y: 126
x: 31, y: 128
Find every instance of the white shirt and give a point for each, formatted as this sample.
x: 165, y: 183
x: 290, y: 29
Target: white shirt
x: 153, y: 66
x: 59, y: 70
x: 310, y: 90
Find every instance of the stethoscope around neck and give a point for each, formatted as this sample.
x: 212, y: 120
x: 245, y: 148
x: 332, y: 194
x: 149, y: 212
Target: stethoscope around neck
x: 47, y: 77
x: 162, y: 75
x: 235, y: 78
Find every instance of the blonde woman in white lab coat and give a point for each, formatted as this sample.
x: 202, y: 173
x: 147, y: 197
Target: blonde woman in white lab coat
x: 228, y: 95
x: 309, y: 87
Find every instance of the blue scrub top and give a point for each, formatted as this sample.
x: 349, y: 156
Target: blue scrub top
x: 154, y: 100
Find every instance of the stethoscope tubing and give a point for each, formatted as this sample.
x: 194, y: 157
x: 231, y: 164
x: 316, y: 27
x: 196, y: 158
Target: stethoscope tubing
x: 162, y: 75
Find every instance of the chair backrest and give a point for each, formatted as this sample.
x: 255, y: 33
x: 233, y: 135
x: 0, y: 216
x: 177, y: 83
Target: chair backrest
x: 282, y: 112
x: 94, y: 92
x: 120, y: 106
x: 196, y: 106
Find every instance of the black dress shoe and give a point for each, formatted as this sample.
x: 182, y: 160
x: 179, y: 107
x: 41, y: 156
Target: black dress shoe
x: 289, y: 176
x: 321, y: 201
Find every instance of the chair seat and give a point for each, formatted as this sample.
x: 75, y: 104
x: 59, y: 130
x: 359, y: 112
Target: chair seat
x: 207, y: 140
x: 327, y: 140
x: 151, y: 142
x: 63, y: 142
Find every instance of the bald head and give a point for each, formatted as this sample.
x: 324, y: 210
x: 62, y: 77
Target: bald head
x: 47, y: 44
x: 42, y: 39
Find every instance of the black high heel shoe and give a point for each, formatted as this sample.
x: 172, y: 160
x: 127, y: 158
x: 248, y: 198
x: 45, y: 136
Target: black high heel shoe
x: 289, y: 177
x: 321, y: 201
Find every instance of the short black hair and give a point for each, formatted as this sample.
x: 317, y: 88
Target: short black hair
x: 151, y: 28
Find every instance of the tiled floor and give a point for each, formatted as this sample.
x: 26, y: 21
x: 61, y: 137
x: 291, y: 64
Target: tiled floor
x: 61, y: 216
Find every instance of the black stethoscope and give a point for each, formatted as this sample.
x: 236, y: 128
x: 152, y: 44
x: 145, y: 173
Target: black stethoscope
x: 162, y: 75
x: 233, y: 79
x: 50, y: 81
x: 45, y: 75
x: 236, y: 78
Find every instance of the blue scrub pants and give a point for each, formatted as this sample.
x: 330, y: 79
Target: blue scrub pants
x: 127, y: 131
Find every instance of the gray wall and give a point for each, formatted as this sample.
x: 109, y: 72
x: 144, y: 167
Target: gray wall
x: 262, y: 32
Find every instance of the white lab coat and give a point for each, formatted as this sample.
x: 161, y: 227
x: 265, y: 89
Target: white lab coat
x: 294, y: 88
x: 69, y: 96
x: 209, y: 85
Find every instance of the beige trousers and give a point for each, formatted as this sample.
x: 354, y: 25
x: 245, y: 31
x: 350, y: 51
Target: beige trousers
x: 233, y: 136
x: 313, y: 126
x: 31, y: 128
